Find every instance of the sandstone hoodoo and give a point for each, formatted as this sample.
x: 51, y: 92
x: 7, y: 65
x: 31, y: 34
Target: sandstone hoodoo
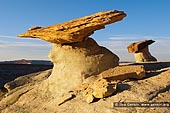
x: 75, y: 55
x: 141, y: 51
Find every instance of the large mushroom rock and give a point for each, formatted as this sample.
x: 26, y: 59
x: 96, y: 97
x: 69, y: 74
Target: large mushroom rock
x: 75, y: 30
x: 141, y: 51
x: 76, y: 56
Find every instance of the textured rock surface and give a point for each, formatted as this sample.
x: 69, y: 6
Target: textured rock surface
x: 141, y: 51
x: 75, y: 62
x: 75, y: 30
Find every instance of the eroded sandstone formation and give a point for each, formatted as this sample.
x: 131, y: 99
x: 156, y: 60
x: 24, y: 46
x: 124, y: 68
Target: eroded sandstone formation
x: 76, y: 56
x: 141, y: 51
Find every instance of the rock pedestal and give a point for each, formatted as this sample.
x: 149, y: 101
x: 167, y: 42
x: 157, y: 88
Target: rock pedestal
x: 75, y: 62
x: 144, y: 55
x: 141, y: 51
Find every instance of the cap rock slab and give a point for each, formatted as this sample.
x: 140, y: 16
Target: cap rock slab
x: 75, y: 30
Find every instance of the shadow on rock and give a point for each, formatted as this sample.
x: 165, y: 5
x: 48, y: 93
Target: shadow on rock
x: 152, y: 74
x: 122, y: 87
x: 151, y: 66
x: 9, y: 72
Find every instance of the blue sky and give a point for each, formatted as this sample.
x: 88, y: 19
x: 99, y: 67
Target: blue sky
x: 146, y: 19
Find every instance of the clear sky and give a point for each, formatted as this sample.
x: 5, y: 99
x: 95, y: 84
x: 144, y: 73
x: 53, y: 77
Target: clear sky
x: 146, y: 19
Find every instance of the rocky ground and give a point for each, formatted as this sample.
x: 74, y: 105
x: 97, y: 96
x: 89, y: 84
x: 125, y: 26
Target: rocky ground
x: 24, y: 94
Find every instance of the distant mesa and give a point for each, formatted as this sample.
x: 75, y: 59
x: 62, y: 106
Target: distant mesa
x: 24, y: 61
x: 141, y: 51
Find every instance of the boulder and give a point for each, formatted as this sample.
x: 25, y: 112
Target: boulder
x: 141, y: 51
x: 103, y: 88
x: 99, y: 88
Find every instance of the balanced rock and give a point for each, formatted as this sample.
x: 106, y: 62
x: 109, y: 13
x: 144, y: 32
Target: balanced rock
x: 141, y: 51
x: 75, y: 30
x: 75, y: 62
x: 75, y: 56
